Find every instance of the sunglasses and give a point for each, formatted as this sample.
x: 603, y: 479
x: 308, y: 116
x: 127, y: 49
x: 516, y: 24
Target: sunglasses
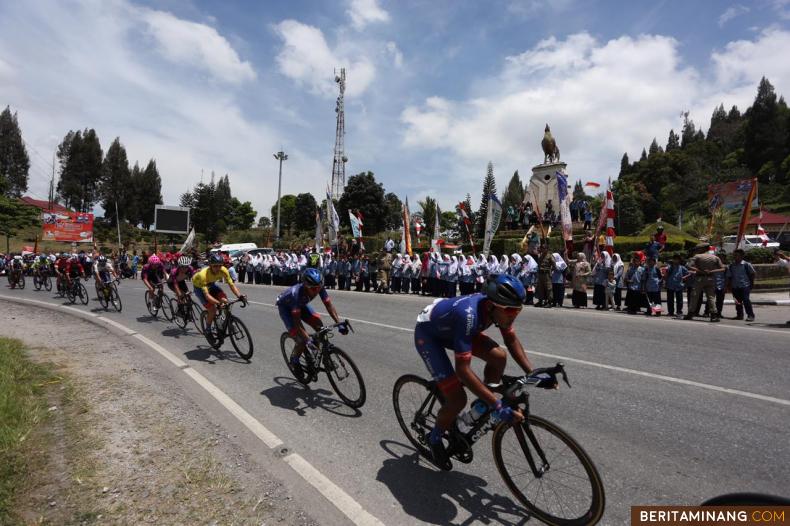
x: 509, y: 310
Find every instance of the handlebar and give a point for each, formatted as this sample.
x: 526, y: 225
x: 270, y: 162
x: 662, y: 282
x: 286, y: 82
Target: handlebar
x: 326, y: 329
x: 513, y: 386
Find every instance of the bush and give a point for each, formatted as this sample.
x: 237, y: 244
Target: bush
x: 759, y: 255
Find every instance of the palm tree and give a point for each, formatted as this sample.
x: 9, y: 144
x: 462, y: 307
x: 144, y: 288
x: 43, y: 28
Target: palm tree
x: 428, y: 206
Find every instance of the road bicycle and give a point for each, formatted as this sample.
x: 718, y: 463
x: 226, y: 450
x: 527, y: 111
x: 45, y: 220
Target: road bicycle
x: 16, y: 278
x: 226, y: 325
x: 41, y: 279
x: 76, y: 290
x: 186, y: 311
x: 107, y: 292
x: 547, y: 471
x: 320, y: 355
x: 158, y: 301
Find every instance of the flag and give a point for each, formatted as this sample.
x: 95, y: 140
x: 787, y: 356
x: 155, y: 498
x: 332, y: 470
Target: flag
x: 319, y: 232
x: 467, y: 223
x: 417, y: 226
x: 592, y: 184
x: 493, y: 217
x: 332, y: 219
x: 189, y: 241
x: 565, y: 211
x: 606, y: 220
x: 356, y: 225
x: 406, y: 231
x: 747, y: 208
x: 436, y: 227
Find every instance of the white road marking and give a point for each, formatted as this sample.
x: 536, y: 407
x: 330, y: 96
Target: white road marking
x: 331, y: 491
x: 342, y: 500
x: 79, y: 312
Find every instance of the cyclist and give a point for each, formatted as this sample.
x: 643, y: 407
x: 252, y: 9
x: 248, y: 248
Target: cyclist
x: 177, y: 282
x: 60, y: 269
x: 153, y: 273
x: 17, y: 266
x: 293, y: 305
x: 102, y: 271
x: 74, y: 269
x: 458, y: 324
x: 209, y: 293
x: 40, y: 266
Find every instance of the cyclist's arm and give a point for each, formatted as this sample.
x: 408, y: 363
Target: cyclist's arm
x: 463, y: 368
x: 330, y: 308
x: 211, y: 299
x: 516, y: 350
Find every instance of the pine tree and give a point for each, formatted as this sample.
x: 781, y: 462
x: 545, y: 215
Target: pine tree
x: 673, y: 142
x: 133, y: 205
x: 765, y: 132
x: 514, y: 193
x: 689, y: 132
x: 654, y: 148
x: 489, y: 188
x: 578, y: 190
x: 115, y: 184
x: 148, y: 194
x: 625, y: 166
x: 14, y: 161
x: 643, y: 157
x: 81, y: 158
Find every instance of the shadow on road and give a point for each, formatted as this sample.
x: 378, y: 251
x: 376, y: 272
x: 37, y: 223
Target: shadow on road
x: 290, y: 394
x: 209, y: 355
x: 148, y: 319
x: 433, y: 496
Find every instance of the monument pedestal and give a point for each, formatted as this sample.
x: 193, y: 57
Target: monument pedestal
x: 543, y: 184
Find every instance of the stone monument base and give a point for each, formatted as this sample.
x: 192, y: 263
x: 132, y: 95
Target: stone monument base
x: 543, y: 184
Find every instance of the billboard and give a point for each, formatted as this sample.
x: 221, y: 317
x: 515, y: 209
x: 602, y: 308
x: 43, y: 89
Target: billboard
x: 74, y: 227
x: 171, y: 219
x: 732, y: 195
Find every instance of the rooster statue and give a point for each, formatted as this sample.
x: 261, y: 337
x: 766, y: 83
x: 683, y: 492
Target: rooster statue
x: 550, y: 150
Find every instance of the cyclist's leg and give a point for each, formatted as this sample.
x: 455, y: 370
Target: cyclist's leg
x: 490, y: 352
x: 438, y: 363
x: 218, y: 295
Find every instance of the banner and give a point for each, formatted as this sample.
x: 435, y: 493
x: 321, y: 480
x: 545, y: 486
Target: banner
x: 565, y: 211
x: 356, y: 225
x: 747, y: 211
x: 610, y: 214
x: 493, y: 217
x: 332, y: 219
x: 436, y: 228
x: 731, y: 196
x: 319, y: 231
x: 74, y: 227
x: 467, y: 222
x: 406, y: 231
x: 188, y: 243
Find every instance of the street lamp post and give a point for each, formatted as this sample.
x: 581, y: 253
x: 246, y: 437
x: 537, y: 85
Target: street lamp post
x: 280, y: 156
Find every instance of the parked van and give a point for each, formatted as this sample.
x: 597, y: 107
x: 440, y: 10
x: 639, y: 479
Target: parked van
x: 749, y: 242
x: 235, y: 246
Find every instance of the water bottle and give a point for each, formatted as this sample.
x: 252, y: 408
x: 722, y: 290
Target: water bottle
x: 478, y: 409
x: 465, y: 422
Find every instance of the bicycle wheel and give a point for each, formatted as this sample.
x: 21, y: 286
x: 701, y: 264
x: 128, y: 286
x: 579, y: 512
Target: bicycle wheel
x: 21, y: 281
x: 568, y: 491
x: 344, y: 376
x: 71, y: 294
x: 287, y: 345
x: 240, y: 338
x: 153, y: 310
x: 179, y: 316
x: 115, y: 298
x: 36, y: 283
x: 47, y: 283
x: 197, y: 312
x: 416, y: 405
x: 165, y: 307
x: 82, y: 293
x: 216, y: 343
x: 102, y: 297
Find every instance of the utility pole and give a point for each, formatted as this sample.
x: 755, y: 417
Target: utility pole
x: 52, y: 185
x: 280, y: 156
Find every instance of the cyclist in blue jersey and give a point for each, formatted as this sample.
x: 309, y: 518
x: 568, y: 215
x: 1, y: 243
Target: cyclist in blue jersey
x: 458, y: 324
x: 293, y: 305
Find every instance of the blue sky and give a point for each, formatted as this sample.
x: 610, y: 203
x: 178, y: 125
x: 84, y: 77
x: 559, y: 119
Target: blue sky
x: 435, y: 90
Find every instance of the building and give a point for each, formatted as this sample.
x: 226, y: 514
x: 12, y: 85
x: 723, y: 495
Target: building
x: 43, y: 205
x: 777, y: 226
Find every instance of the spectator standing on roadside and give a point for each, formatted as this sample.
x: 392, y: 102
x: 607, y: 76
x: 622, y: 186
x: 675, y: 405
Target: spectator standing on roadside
x: 741, y: 278
x: 389, y: 245
x: 611, y: 286
x: 704, y: 266
x: 589, y: 245
x: 587, y: 219
x: 558, y: 271
x: 783, y: 261
x: 633, y: 281
x: 675, y: 275
x: 581, y: 270
x: 600, y: 279
x: 619, y: 274
x: 543, y: 289
x: 651, y: 285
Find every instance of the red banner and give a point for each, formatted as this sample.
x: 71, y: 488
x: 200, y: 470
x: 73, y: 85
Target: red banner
x: 74, y: 227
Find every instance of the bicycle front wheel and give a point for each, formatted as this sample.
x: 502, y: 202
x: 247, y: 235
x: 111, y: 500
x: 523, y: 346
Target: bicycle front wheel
x: 21, y: 281
x: 240, y: 338
x: 115, y: 298
x: 416, y: 407
x: 102, y: 296
x: 567, y: 490
x: 164, y: 302
x: 150, y: 304
x: 196, y: 316
x: 179, y: 316
x: 47, y: 283
x: 344, y: 376
x: 82, y: 293
x: 36, y: 283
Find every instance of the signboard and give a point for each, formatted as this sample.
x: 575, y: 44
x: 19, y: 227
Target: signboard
x: 171, y: 219
x: 732, y: 195
x: 75, y: 227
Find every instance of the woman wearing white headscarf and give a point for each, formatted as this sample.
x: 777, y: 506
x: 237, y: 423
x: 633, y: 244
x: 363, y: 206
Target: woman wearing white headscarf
x: 480, y: 271
x: 619, y: 274
x: 559, y: 266
x: 529, y: 276
x: 600, y: 279
x: 580, y: 272
x: 504, y: 264
x: 396, y: 273
x: 406, y: 274
x: 451, y: 279
x: 493, y: 265
x: 466, y: 278
x: 443, y: 266
x: 416, y: 274
x: 515, y: 265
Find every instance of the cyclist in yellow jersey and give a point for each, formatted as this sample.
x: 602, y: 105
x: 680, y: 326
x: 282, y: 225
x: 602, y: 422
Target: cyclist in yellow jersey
x: 206, y: 289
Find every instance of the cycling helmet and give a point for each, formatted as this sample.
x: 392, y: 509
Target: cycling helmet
x: 505, y: 290
x: 101, y: 259
x: 184, y: 261
x: 42, y: 258
x: 153, y: 260
x: 215, y: 259
x: 311, y: 277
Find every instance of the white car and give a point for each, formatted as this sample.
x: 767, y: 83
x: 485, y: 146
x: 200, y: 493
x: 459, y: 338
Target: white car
x: 748, y: 242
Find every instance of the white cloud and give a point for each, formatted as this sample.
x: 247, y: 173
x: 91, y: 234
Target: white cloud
x: 198, y: 45
x: 397, y: 56
x: 732, y: 12
x: 307, y: 58
x: 364, y: 12
x: 782, y: 8
x: 600, y: 98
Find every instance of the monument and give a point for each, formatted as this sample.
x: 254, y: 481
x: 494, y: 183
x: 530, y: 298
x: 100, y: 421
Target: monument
x: 543, y: 183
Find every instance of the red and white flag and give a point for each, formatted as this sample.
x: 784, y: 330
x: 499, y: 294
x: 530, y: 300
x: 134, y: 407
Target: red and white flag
x: 606, y: 220
x: 761, y: 231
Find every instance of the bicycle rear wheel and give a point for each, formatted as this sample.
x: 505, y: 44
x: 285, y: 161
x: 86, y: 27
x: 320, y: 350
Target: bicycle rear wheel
x: 21, y: 281
x: 344, y: 376
x: 240, y: 338
x: 102, y: 296
x: 568, y: 490
x: 82, y: 293
x: 287, y: 345
x: 36, y: 283
x: 71, y: 294
x: 196, y: 315
x: 416, y: 405
x: 179, y: 315
x: 150, y: 304
x: 47, y: 283
x: 115, y: 298
x: 165, y: 307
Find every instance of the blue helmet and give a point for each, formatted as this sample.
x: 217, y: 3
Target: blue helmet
x: 505, y: 290
x: 311, y: 277
x: 215, y: 259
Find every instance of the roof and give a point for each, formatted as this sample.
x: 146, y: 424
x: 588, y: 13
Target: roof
x: 43, y: 205
x: 769, y: 218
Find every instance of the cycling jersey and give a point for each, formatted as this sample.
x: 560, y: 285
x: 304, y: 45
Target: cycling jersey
x: 61, y: 265
x: 74, y: 268
x: 294, y: 301
x: 103, y: 270
x: 178, y: 278
x: 205, y: 277
x: 154, y: 273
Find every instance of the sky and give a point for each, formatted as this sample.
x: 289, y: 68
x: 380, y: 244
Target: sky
x: 435, y: 88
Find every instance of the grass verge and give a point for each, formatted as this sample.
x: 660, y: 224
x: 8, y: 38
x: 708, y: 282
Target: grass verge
x: 22, y: 408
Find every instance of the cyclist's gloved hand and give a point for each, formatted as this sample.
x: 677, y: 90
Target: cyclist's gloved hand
x: 503, y: 413
x: 343, y: 328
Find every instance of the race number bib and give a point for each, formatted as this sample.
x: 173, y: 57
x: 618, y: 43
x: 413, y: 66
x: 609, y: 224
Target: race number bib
x: 425, y: 315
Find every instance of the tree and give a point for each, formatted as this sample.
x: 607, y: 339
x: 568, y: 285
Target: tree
x: 148, y: 194
x: 116, y: 182
x: 364, y: 194
x: 394, y: 217
x: 514, y: 193
x: 489, y: 188
x: 287, y: 207
x: 673, y: 142
x: 14, y: 161
x: 264, y: 222
x: 81, y: 158
x: 304, y: 213
x: 578, y: 190
x: 448, y: 221
x: 643, y: 157
x: 241, y: 216
x: 428, y: 206
x: 630, y: 217
x: 625, y: 167
x: 765, y: 132
x: 14, y: 216
x: 654, y: 148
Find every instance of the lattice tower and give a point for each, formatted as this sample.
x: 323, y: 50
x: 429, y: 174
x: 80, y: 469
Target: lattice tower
x: 340, y: 159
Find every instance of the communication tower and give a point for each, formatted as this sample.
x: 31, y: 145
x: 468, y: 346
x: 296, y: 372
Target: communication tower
x: 340, y: 159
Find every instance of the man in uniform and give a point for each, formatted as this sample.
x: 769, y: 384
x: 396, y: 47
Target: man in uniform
x: 704, y: 265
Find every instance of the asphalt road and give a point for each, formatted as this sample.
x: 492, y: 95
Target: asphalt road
x: 671, y: 412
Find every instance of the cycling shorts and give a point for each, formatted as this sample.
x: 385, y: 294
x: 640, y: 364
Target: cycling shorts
x: 182, y: 285
x: 215, y: 292
x: 308, y: 315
